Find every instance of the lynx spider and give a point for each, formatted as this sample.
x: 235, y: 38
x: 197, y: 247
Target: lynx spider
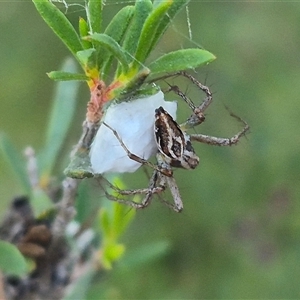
x: 174, y: 149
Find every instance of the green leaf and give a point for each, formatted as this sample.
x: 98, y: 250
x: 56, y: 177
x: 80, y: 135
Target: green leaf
x: 60, y: 120
x: 40, y: 202
x: 66, y: 76
x: 87, y: 58
x: 133, y: 85
x: 114, y: 219
x: 148, y: 33
x: 94, y: 14
x: 105, y: 223
x: 181, y: 60
x: 116, y: 29
x: 12, y: 262
x: 142, y: 10
x: 176, y: 6
x: 15, y: 161
x: 122, y: 218
x: 86, y: 205
x: 114, y: 252
x: 78, y: 288
x: 144, y: 254
x: 84, y: 31
x: 111, y: 253
x: 58, y: 22
x: 111, y: 45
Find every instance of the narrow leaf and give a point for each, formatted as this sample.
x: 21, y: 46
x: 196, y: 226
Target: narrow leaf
x: 78, y: 288
x: 58, y: 22
x: 149, y: 31
x: 181, y: 60
x: 60, y: 120
x: 142, y: 10
x: 167, y: 18
x: 111, y: 253
x: 144, y: 254
x: 12, y: 262
x: 84, y: 31
x: 40, y: 202
x: 87, y: 58
x: 84, y: 202
x: 122, y: 218
x: 94, y: 17
x: 94, y: 14
x: 105, y: 222
x: 15, y: 161
x: 116, y: 29
x: 111, y: 45
x: 132, y: 85
x: 66, y: 76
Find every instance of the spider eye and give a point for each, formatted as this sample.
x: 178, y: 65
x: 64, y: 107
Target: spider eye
x: 159, y: 111
x: 191, y: 159
x: 188, y: 146
x: 189, y: 155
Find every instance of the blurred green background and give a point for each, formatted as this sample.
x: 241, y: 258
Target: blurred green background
x: 239, y: 233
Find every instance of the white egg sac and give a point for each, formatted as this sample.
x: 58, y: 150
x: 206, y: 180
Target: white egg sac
x: 134, y: 123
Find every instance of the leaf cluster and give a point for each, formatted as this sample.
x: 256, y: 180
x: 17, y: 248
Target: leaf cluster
x: 122, y: 48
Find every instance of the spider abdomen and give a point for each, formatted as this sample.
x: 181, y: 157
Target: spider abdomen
x: 172, y: 143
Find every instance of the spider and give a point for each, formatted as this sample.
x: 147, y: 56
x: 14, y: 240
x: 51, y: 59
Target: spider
x: 175, y: 149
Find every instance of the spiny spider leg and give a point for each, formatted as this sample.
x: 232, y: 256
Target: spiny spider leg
x: 198, y: 116
x: 134, y: 156
x: 207, y: 101
x: 153, y: 189
x: 211, y: 140
x: 148, y: 192
x: 148, y: 177
x: 176, y: 90
x: 198, y: 111
x: 178, y: 204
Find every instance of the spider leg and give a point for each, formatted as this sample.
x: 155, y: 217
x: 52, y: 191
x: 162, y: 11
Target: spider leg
x: 207, y: 101
x: 197, y: 117
x: 170, y: 181
x: 159, y: 195
x: 153, y: 189
x: 135, y: 157
x: 198, y: 111
x: 212, y: 140
x: 178, y: 204
x: 148, y: 192
x: 123, y: 193
x: 176, y: 90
